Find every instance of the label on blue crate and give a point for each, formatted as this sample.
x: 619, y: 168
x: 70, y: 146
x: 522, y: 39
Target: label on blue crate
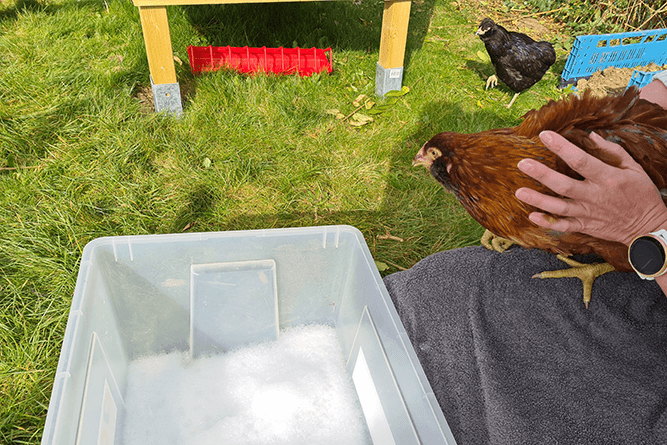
x: 376, y: 419
x: 108, y: 416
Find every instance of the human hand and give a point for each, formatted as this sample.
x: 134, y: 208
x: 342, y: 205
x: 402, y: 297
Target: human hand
x: 612, y: 203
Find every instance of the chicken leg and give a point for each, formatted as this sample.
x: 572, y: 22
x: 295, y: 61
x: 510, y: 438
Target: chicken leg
x: 492, y: 81
x: 494, y: 242
x: 587, y: 273
x: 513, y: 99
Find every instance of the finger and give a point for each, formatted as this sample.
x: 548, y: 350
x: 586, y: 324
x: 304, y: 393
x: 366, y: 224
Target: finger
x: 551, y: 204
x: 586, y: 165
x: 613, y: 149
x: 558, y: 182
x: 557, y: 224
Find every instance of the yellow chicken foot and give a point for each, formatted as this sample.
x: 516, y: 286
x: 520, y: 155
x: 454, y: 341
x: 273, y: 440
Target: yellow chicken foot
x: 494, y: 242
x: 491, y: 82
x: 587, y: 273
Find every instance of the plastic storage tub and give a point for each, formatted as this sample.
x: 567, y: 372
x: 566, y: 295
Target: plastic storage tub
x: 302, y: 61
x: 138, y: 295
x: 593, y: 53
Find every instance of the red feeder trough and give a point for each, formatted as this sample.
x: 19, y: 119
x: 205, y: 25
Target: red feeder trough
x: 255, y: 60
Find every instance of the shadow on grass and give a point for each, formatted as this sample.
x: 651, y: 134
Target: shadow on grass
x: 442, y: 222
x: 341, y: 25
x: 23, y: 6
x: 27, y: 6
x: 200, y: 201
x: 373, y: 225
x: 415, y: 207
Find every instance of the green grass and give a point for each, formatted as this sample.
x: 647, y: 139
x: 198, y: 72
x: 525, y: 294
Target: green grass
x: 81, y: 158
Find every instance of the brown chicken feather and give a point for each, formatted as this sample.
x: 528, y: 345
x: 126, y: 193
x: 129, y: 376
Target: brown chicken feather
x: 481, y: 170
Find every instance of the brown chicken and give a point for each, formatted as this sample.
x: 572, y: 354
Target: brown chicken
x: 481, y: 170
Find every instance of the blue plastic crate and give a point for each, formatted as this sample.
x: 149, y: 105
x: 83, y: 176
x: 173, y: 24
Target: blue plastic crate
x: 593, y: 53
x: 642, y: 78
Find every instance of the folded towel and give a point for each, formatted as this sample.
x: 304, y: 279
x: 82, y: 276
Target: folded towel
x: 515, y: 360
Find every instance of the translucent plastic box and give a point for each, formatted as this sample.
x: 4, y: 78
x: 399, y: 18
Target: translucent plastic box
x: 138, y: 295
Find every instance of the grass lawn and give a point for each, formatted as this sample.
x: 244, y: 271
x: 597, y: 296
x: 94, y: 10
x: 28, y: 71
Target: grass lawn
x: 82, y: 156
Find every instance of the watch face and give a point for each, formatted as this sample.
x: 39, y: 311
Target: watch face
x: 647, y: 255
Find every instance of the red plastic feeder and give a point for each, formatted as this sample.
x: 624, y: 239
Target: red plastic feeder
x: 255, y: 60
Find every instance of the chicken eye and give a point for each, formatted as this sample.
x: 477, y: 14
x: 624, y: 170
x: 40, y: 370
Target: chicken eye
x: 434, y: 153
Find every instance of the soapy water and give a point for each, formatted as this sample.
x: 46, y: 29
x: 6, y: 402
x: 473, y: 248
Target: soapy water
x: 294, y: 390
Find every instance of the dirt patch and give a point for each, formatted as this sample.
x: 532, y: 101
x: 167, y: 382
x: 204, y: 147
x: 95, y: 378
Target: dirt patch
x: 612, y: 80
x: 145, y: 95
x: 537, y: 26
x: 533, y: 27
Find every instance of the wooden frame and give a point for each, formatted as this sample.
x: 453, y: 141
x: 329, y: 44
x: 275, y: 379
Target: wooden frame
x: 157, y: 38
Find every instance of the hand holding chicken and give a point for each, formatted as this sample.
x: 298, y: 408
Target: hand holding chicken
x: 587, y: 209
x: 482, y: 171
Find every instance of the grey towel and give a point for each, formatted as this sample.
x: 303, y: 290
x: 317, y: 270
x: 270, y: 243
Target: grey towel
x: 515, y: 360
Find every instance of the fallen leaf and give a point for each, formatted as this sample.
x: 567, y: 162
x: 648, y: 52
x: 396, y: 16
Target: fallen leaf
x: 358, y: 101
x: 484, y: 57
x: 207, y: 163
x: 335, y: 112
x: 381, y: 266
x: 380, y: 109
x: 390, y: 237
x: 359, y: 119
x: 362, y: 118
x: 396, y: 93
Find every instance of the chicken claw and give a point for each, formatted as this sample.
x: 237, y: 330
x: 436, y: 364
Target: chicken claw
x: 495, y: 242
x: 491, y: 82
x: 587, y: 273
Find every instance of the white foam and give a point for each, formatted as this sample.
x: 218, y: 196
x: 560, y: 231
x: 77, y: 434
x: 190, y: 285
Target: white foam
x: 291, y: 391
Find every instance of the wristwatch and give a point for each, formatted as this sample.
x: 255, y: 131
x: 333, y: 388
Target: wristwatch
x: 648, y: 254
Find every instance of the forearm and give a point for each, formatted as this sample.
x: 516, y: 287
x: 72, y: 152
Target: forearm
x: 656, y: 91
x: 662, y: 282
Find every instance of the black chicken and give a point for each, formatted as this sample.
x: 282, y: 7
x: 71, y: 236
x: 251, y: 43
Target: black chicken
x: 520, y: 61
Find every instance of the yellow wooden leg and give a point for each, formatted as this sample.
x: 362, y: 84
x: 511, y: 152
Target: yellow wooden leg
x: 394, y: 33
x: 155, y: 25
x: 395, y: 19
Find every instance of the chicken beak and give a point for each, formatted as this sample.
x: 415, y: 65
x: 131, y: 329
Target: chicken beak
x: 424, y: 162
x: 421, y: 159
x: 479, y: 32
